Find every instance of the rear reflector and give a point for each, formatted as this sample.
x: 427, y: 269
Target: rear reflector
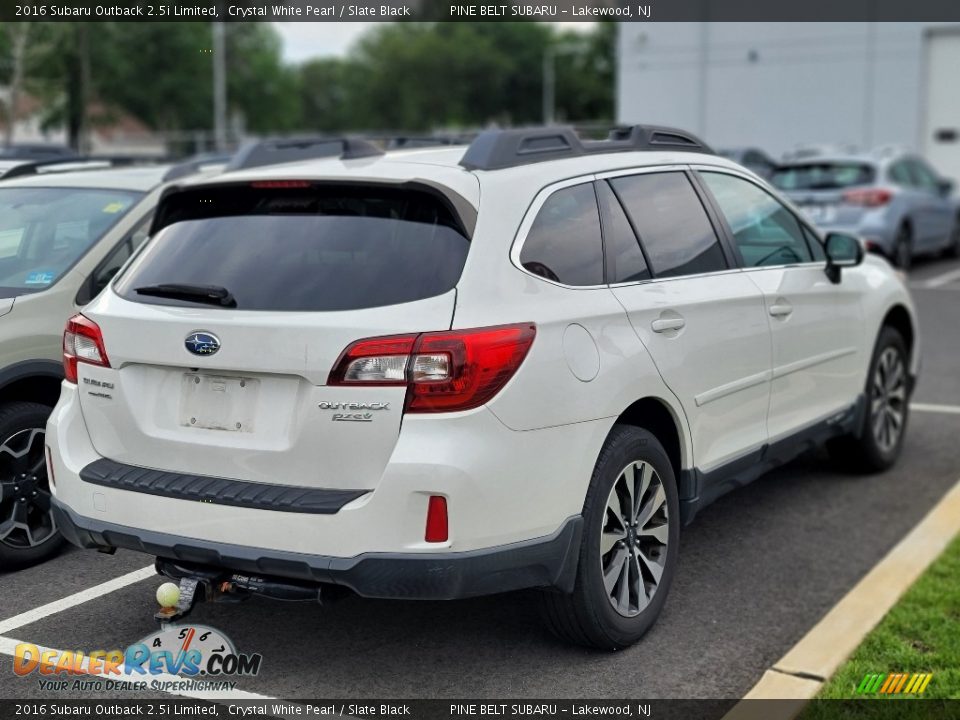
x: 443, y: 371
x: 437, y: 528
x: 50, y: 475
x: 872, y: 197
x: 82, y: 342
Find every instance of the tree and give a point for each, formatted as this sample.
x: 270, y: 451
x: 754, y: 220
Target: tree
x: 260, y: 86
x: 420, y: 76
x: 15, y: 45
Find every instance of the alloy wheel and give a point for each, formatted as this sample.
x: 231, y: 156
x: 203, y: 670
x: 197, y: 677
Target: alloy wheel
x: 25, y: 517
x: 633, y: 540
x: 888, y: 399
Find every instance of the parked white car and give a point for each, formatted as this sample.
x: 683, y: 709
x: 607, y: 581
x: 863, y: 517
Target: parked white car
x: 449, y: 372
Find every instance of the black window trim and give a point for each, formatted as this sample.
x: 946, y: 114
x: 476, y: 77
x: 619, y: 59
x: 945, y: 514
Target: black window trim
x: 85, y: 293
x: 604, y: 219
x: 728, y: 232
x: 719, y: 223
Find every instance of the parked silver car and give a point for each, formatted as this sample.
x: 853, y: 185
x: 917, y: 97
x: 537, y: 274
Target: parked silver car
x: 894, y: 200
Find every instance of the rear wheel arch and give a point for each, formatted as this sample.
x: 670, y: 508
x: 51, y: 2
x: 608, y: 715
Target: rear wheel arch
x: 659, y: 418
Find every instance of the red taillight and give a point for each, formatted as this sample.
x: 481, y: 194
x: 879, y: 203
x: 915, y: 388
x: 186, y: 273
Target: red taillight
x: 444, y: 371
x: 871, y: 197
x: 82, y: 342
x: 437, y: 526
x: 280, y: 184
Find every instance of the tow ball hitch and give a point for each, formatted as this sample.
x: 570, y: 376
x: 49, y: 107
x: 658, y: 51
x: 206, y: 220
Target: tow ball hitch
x: 214, y: 585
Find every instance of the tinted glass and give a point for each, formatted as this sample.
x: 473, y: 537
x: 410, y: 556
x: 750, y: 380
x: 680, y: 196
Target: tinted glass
x: 119, y: 255
x: 764, y: 230
x: 625, y: 262
x: 924, y: 177
x: 816, y: 247
x: 564, y: 244
x: 823, y: 176
x: 44, y: 231
x: 900, y: 174
x: 673, y: 226
x: 311, y: 249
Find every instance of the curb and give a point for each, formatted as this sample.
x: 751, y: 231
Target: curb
x: 805, y: 668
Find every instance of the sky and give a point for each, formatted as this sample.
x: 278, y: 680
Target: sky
x: 305, y: 40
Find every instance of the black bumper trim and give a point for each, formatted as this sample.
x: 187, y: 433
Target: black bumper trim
x: 543, y: 562
x: 218, y: 491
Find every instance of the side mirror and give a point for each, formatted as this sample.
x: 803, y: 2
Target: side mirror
x: 842, y: 251
x: 946, y: 187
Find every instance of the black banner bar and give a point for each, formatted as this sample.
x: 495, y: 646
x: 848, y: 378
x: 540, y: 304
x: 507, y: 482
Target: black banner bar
x: 493, y: 11
x: 489, y: 709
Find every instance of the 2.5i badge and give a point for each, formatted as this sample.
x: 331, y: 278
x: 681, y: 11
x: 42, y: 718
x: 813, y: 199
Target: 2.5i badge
x: 354, y: 411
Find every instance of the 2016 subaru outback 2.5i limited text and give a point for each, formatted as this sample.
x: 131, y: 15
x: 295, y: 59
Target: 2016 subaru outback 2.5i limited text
x: 449, y: 372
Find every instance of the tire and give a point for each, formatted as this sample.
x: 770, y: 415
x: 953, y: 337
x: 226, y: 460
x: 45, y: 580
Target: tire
x: 902, y: 257
x: 953, y: 248
x: 588, y: 615
x: 28, y: 533
x: 873, y: 448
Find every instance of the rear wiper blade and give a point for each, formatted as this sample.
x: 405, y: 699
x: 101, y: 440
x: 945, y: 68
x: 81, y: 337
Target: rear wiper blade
x: 210, y: 294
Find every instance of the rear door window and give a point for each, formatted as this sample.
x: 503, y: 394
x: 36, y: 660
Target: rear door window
x: 564, y: 243
x: 302, y: 247
x: 923, y: 177
x: 900, y: 174
x: 671, y: 222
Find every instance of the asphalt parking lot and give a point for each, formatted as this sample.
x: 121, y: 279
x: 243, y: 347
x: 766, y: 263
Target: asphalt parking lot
x: 757, y: 570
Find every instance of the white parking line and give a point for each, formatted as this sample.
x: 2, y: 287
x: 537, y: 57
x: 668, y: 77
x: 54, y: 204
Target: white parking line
x: 8, y: 647
x: 32, y: 616
x: 941, y: 280
x: 926, y: 407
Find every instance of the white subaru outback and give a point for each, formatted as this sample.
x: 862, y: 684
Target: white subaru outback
x: 450, y: 372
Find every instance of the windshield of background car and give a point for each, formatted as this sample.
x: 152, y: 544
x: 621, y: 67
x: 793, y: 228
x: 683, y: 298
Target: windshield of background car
x: 311, y: 248
x: 44, y: 231
x: 823, y: 176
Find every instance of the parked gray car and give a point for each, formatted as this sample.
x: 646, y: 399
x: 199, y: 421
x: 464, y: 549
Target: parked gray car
x: 894, y: 200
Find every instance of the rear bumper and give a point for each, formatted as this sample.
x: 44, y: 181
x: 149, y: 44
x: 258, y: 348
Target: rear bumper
x: 544, y: 562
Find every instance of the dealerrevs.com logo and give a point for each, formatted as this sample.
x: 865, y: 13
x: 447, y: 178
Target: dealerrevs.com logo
x: 200, y: 657
x: 894, y: 683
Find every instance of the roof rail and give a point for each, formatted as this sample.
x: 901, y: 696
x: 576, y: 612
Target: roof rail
x: 498, y: 149
x: 76, y: 164
x: 196, y: 164
x: 283, y: 150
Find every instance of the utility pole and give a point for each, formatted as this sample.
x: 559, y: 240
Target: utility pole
x: 18, y: 37
x: 549, y: 85
x: 219, y: 87
x: 550, y: 77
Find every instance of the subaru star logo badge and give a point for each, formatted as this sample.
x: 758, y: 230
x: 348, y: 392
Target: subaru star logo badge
x: 202, y: 343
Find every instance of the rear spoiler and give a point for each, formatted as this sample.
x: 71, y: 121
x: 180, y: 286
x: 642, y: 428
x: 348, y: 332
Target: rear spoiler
x: 176, y: 199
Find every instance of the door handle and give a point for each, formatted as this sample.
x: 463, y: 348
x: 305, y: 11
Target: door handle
x: 781, y: 308
x: 664, y: 324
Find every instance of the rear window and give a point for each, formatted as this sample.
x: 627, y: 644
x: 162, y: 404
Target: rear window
x: 313, y: 248
x: 44, y: 231
x: 823, y: 176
